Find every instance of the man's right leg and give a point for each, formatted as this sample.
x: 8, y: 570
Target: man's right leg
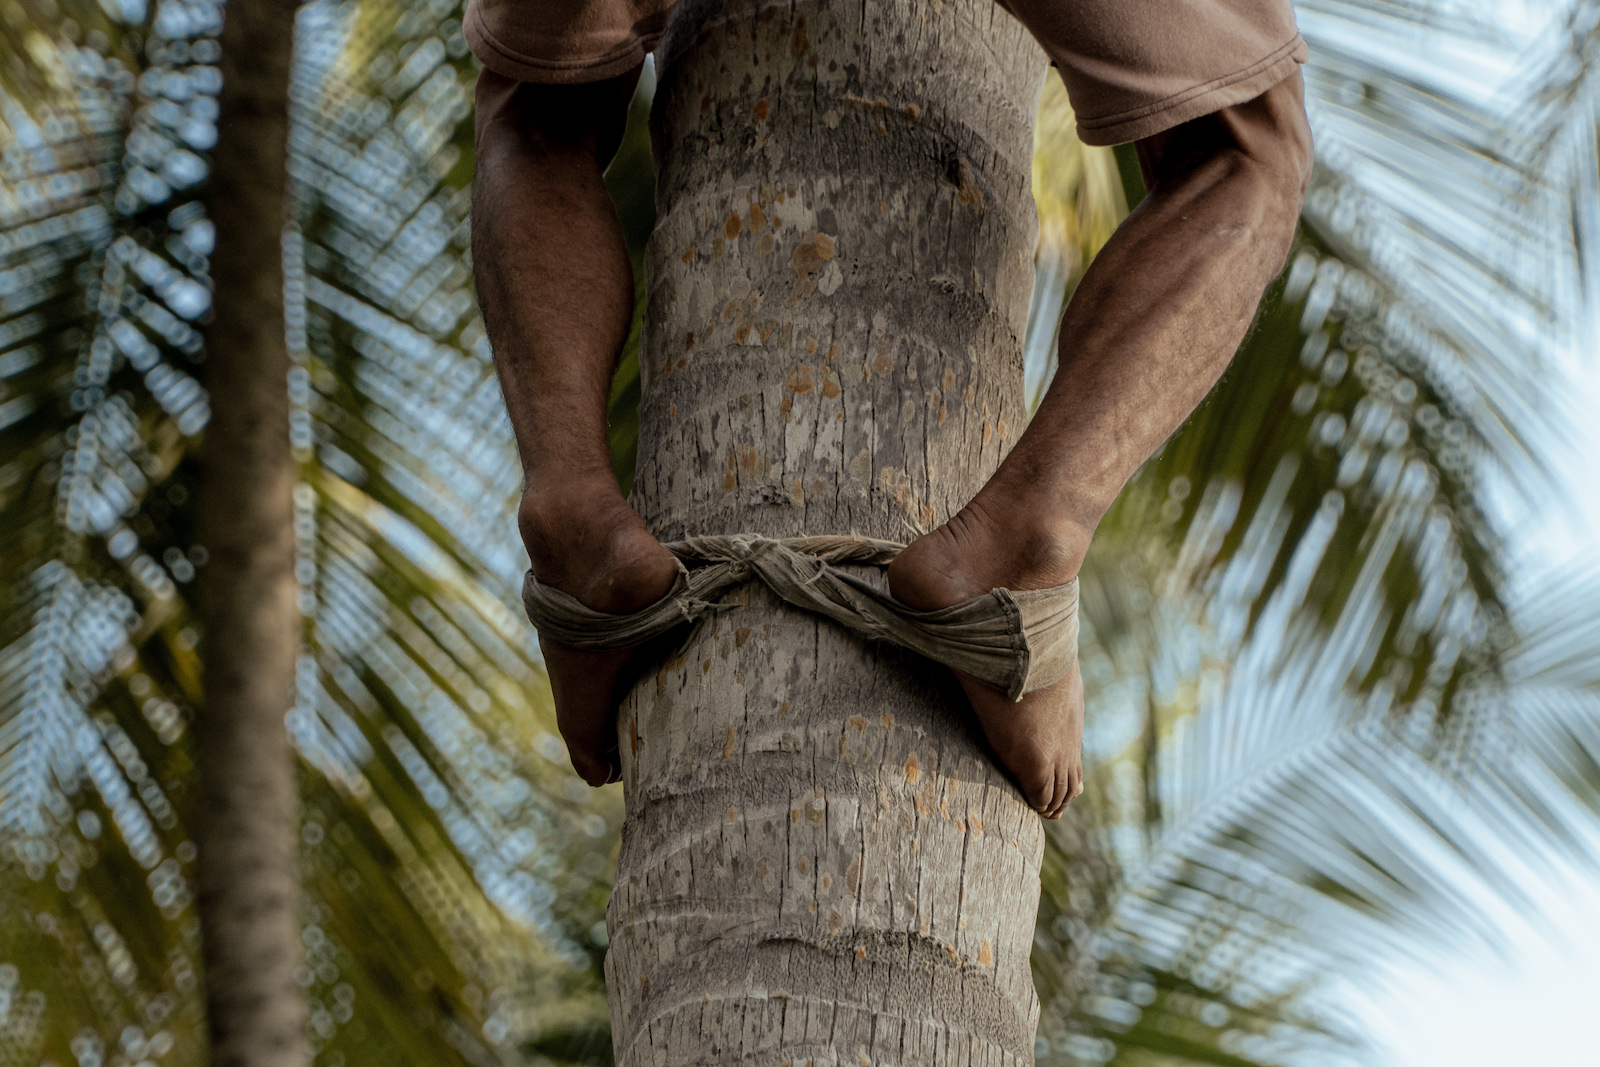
x: 556, y: 290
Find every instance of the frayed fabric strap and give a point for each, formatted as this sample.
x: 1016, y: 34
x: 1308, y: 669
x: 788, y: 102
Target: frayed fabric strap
x: 1015, y: 640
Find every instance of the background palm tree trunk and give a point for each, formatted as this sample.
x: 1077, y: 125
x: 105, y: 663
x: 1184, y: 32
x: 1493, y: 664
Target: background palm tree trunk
x: 248, y: 891
x: 820, y: 860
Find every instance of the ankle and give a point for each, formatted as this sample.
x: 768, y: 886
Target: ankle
x: 1042, y: 535
x: 559, y: 520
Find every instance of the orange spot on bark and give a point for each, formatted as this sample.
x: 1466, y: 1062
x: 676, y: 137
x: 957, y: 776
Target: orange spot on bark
x: 859, y: 722
x: 798, y: 44
x: 758, y: 219
x: 761, y: 869
x: 967, y: 191
x: 762, y: 110
x: 985, y: 954
x: 913, y: 112
x: 861, y: 952
x: 705, y: 668
x: 913, y: 768
x: 830, y: 386
x: 740, y: 638
x: 688, y: 254
x: 799, y: 379
x: 732, y: 224
x: 732, y: 742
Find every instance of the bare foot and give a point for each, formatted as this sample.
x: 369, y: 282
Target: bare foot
x: 1039, y: 739
x: 588, y: 543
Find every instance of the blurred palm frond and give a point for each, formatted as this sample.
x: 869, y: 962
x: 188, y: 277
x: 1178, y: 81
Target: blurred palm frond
x: 456, y: 870
x: 1320, y: 716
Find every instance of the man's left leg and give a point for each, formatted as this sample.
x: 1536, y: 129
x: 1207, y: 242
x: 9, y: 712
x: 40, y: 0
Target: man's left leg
x: 1147, y: 334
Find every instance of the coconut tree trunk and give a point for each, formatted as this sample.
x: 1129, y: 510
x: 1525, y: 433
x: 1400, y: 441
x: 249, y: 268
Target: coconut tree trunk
x: 820, y: 861
x: 248, y: 891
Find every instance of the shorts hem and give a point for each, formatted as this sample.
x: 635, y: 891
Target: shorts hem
x: 520, y: 66
x: 1192, y: 103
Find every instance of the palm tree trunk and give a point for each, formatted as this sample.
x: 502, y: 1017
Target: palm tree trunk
x: 820, y: 861
x: 248, y: 892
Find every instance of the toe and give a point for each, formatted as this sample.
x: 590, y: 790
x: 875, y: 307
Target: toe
x: 1041, y: 791
x: 1063, y: 793
x: 595, y: 772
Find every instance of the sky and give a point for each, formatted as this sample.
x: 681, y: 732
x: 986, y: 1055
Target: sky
x: 1538, y: 1003
x: 1536, y: 1000
x: 1535, y: 1004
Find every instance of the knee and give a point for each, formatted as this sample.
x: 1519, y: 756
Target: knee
x: 1281, y: 140
x: 589, y: 117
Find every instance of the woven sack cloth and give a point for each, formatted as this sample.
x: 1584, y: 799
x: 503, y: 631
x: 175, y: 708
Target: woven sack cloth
x: 1014, y: 640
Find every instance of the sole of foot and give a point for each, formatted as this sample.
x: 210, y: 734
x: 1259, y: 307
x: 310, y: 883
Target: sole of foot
x: 607, y: 559
x: 1039, y: 739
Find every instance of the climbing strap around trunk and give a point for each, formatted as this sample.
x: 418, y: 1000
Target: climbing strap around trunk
x: 1015, y: 640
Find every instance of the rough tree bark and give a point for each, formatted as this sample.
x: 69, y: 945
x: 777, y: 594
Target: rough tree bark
x: 820, y: 861
x: 248, y: 892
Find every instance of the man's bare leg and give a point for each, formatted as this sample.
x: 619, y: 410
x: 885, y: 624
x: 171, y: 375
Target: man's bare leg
x: 556, y: 289
x: 1146, y: 335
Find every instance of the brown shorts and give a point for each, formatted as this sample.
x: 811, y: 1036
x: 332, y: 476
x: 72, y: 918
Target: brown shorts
x: 1132, y: 67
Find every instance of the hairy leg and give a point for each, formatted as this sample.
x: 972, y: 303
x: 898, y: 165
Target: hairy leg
x: 556, y: 289
x: 1146, y: 335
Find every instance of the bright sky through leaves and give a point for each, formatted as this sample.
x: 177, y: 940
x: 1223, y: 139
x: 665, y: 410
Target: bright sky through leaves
x: 1535, y: 1003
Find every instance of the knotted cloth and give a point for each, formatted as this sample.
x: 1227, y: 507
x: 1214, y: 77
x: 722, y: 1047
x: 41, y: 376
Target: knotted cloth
x: 1015, y: 640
